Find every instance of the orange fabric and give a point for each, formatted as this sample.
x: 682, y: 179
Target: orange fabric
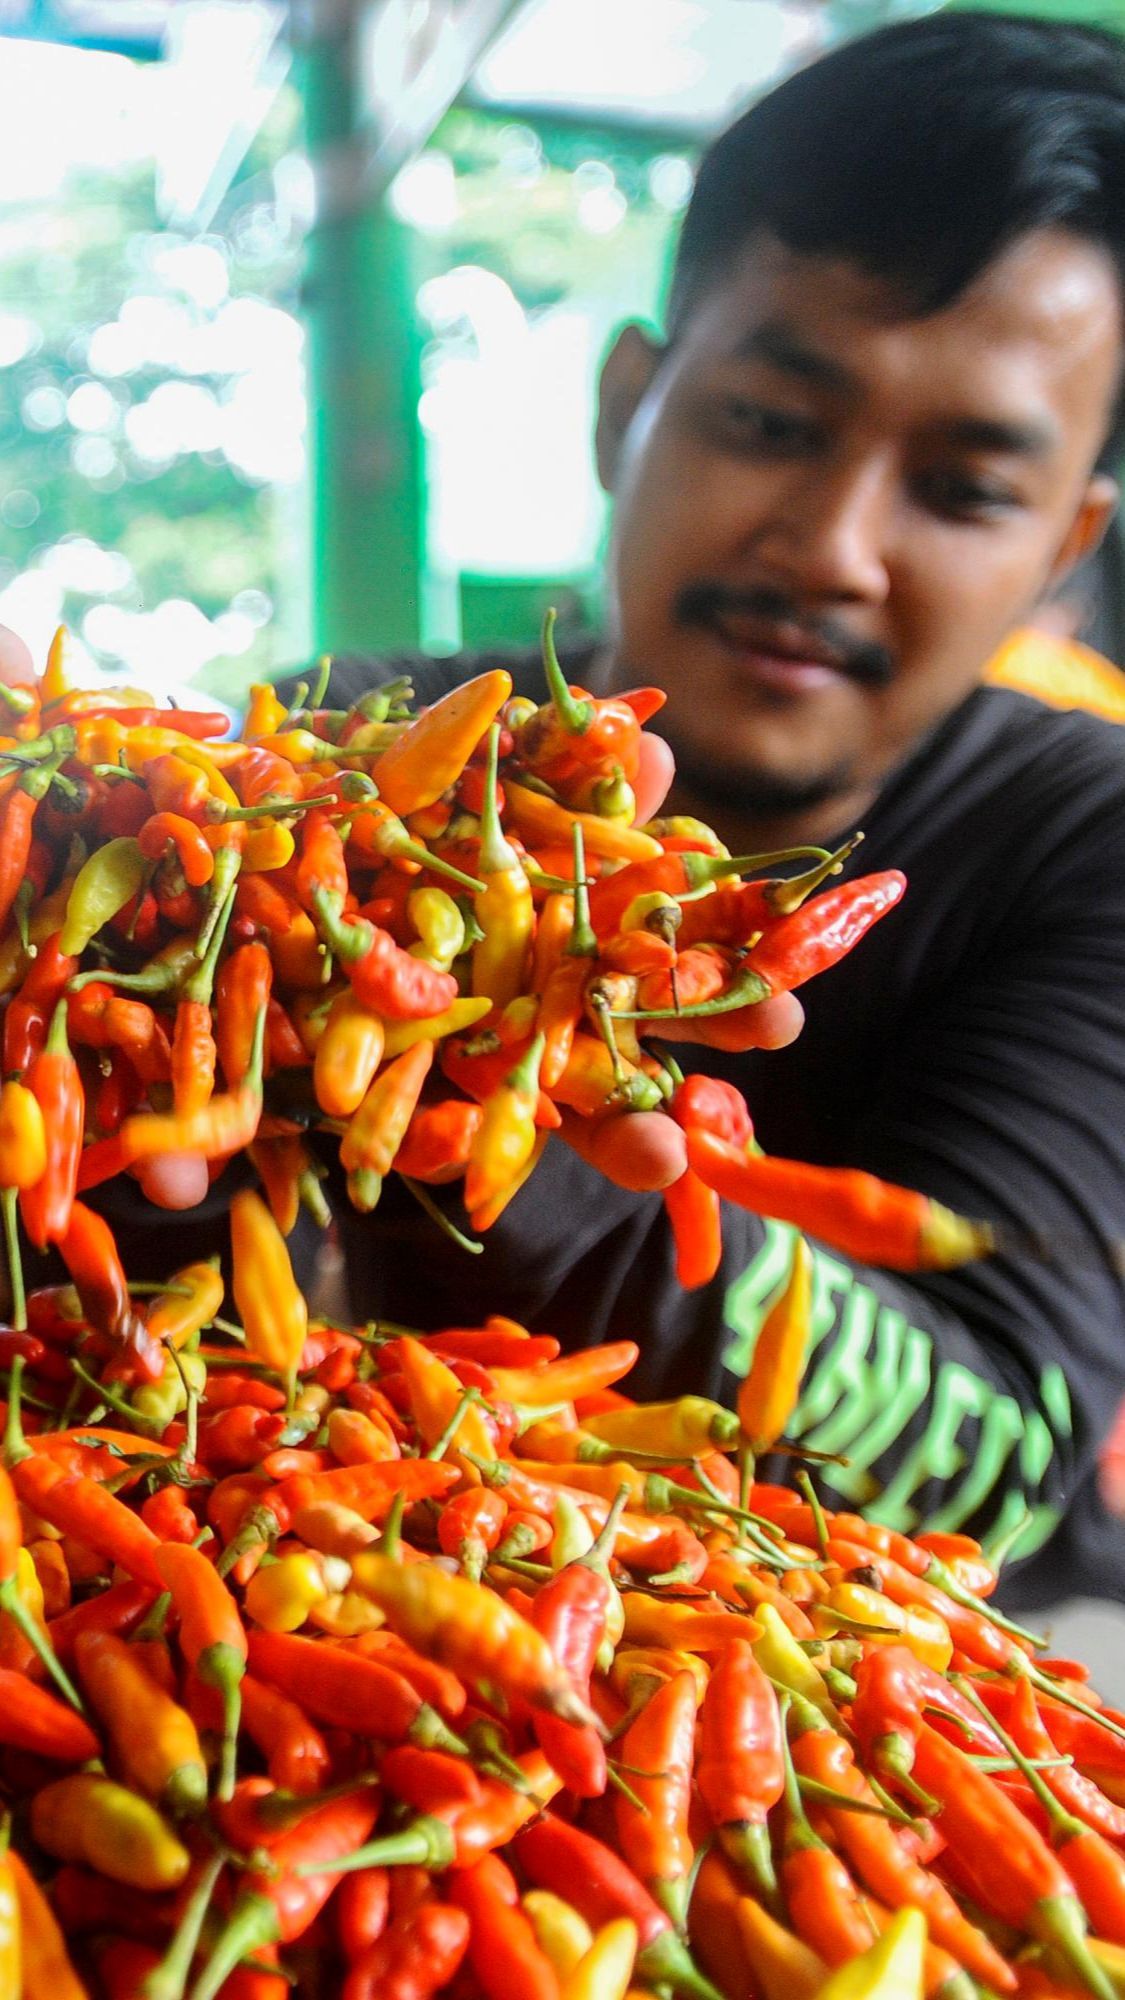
x: 1061, y: 672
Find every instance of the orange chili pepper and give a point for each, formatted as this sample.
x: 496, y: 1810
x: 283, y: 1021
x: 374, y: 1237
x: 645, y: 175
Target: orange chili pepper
x: 377, y: 1129
x: 433, y: 750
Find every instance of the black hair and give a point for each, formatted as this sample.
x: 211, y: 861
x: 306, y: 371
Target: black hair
x: 921, y: 152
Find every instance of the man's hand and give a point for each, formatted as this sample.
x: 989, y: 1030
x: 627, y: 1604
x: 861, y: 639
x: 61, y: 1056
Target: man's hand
x: 17, y: 668
x: 646, y: 1150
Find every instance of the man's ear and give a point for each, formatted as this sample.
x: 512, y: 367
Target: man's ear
x: 1089, y: 525
x: 632, y: 362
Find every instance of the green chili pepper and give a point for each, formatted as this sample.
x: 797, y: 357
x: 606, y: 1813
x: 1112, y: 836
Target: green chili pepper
x: 103, y: 885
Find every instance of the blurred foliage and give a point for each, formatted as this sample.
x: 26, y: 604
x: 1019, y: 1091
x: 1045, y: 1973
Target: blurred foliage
x: 110, y: 315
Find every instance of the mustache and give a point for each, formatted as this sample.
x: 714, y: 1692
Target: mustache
x: 863, y: 660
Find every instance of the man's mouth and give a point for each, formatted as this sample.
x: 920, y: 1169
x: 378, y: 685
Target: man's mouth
x: 777, y: 649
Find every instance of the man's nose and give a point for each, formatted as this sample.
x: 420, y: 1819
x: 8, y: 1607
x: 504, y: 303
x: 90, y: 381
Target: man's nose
x: 828, y: 534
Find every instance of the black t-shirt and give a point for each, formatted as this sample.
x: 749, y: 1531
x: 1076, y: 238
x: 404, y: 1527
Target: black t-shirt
x: 973, y: 1047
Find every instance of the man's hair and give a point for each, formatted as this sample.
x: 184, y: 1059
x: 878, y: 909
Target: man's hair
x: 921, y: 153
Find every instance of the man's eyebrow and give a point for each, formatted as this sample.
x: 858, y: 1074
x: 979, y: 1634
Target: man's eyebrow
x: 1028, y: 439
x: 777, y: 344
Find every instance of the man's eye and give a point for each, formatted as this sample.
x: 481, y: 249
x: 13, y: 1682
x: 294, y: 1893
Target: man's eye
x: 963, y: 498
x: 756, y: 425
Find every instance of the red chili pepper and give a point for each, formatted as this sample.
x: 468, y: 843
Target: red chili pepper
x: 322, y: 862
x: 469, y: 1527
x: 54, y: 1080
x: 655, y: 1840
x: 330, y: 1683
x: 82, y: 1508
x: 695, y: 1217
x: 429, y: 1780
x: 881, y: 1859
x: 741, y: 1767
x: 570, y: 1611
x: 1078, y: 1794
x: 17, y: 816
x: 867, y: 1218
x: 894, y: 1693
x: 119, y: 1609
x: 31, y: 1719
x: 169, y: 1513
x: 417, y: 1957
x: 89, y: 1251
x: 383, y: 975
x: 170, y: 833
x: 362, y: 1907
x: 601, y: 1886
x: 295, y: 1751
x: 31, y: 1009
x: 707, y: 1104
x: 438, y: 1141
x: 503, y: 1950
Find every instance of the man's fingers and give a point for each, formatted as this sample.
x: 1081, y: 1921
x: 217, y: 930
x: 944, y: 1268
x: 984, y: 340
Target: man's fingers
x: 640, y: 1150
x: 175, y: 1180
x: 17, y: 668
x: 653, y: 782
x: 772, y: 1024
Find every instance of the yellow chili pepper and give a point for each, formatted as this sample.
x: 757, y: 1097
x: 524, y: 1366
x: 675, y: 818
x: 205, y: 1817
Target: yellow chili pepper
x: 667, y: 1623
x: 45, y: 921
x: 160, y: 1402
x: 348, y: 1054
x: 377, y: 1129
x: 430, y: 754
x: 11, y: 1975
x: 505, y: 1138
x: 334, y: 1529
x: 298, y: 746
x: 633, y: 1666
x: 491, y: 1211
x: 264, y: 713
x: 768, y: 1396
x: 539, y: 821
x: 607, y: 1968
x: 106, y: 1826
x: 47, y: 1971
x: 504, y: 910
x: 780, y: 1655
x: 280, y: 1595
x: 560, y: 1932
x: 344, y: 1614
x: 173, y: 1317
x: 269, y: 1299
x: 461, y: 1014
x: 154, y: 1740
x: 783, y: 1966
x: 56, y: 680
x: 893, y: 1968
x: 465, y: 1626
x: 435, y: 1395
x: 23, y: 1139
x: 854, y: 1608
x: 440, y: 927
x: 268, y: 845
x: 683, y: 1429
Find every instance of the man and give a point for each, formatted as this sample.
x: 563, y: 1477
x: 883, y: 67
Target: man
x: 876, y: 434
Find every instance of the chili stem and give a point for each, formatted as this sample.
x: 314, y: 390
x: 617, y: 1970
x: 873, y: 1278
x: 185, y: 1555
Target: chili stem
x: 9, y: 1197
x: 429, y: 1207
x: 167, y: 1980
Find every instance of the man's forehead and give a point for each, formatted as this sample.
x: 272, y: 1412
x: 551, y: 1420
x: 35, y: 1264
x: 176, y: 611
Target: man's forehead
x: 1044, y: 315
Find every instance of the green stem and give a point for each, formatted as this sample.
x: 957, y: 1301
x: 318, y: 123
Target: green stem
x: 167, y: 1980
x: 228, y: 861
x: 574, y: 716
x: 29, y: 1629
x: 252, y: 1922
x: 426, y: 1843
x: 582, y: 942
x: 439, y: 1449
x: 449, y: 1228
x: 9, y: 1199
x: 16, y: 1446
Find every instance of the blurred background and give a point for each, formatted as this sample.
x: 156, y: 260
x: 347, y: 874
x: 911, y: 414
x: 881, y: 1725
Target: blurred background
x: 302, y: 306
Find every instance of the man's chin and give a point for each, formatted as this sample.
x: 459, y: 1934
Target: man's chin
x: 759, y: 791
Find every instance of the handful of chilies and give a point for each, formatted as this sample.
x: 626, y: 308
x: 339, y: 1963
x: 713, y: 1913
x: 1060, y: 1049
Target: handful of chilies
x: 387, y: 1664
x: 434, y: 934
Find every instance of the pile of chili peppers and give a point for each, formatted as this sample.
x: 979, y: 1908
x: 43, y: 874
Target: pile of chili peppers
x: 388, y: 1664
x: 433, y: 935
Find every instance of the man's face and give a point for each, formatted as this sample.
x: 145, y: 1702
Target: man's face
x: 829, y: 513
